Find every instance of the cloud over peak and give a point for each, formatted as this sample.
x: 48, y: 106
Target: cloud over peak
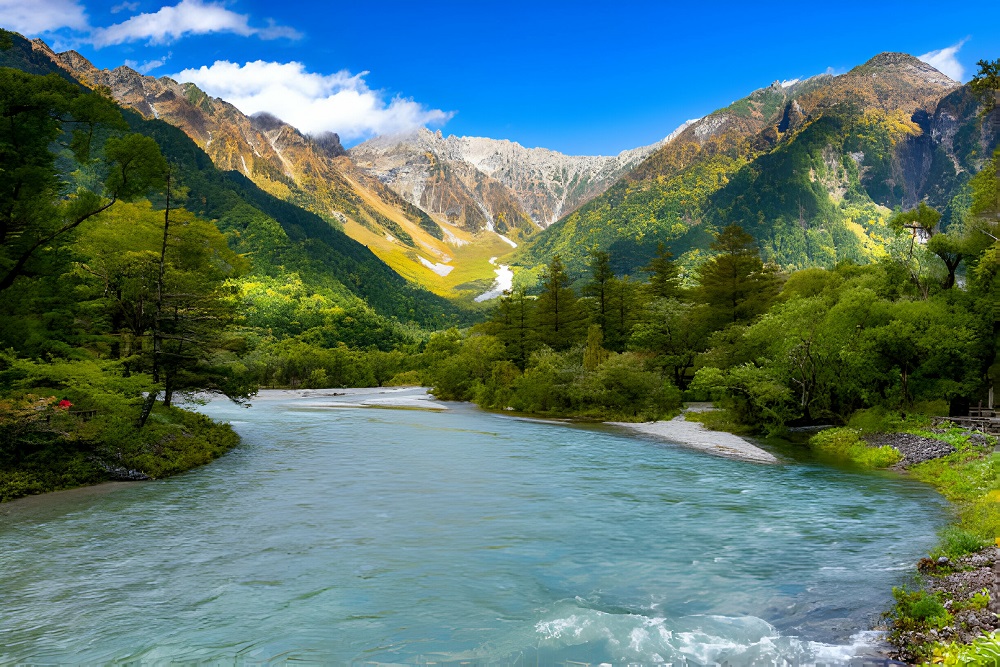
x: 945, y: 60
x: 313, y: 103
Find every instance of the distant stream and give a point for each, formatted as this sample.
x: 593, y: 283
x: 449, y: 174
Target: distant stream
x: 341, y: 534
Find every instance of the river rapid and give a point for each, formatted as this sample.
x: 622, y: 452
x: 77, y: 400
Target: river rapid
x: 346, y: 534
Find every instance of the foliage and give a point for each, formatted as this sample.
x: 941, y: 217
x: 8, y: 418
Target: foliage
x: 846, y: 443
x: 955, y: 542
x: 735, y: 284
x: 984, y: 651
x: 918, y: 610
x: 986, y: 82
x: 46, y: 448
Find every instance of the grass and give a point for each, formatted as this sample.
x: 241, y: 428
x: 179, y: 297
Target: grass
x: 720, y: 420
x: 64, y: 453
x: 846, y: 443
x: 970, y: 479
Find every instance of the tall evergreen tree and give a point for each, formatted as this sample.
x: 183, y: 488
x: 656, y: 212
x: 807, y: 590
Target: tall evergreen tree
x: 735, y: 283
x: 559, y: 320
x: 663, y: 275
x: 598, y: 287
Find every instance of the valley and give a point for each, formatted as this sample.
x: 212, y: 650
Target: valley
x: 424, y: 396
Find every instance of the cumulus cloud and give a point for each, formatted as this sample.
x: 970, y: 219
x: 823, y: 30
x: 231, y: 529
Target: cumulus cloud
x: 945, y: 61
x: 313, y: 103
x: 189, y: 17
x: 40, y: 16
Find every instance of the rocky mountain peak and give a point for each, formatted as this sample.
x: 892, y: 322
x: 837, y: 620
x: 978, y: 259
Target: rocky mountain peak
x: 542, y: 184
x: 890, y: 63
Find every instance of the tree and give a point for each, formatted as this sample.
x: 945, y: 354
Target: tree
x: 663, y: 276
x: 675, y: 332
x: 626, y: 303
x: 986, y: 83
x: 735, y: 283
x: 38, y: 206
x: 597, y: 288
x: 558, y: 313
x: 594, y: 355
x: 513, y: 322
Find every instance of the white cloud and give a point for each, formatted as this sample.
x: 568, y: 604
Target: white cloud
x: 944, y: 61
x: 313, y: 103
x: 149, y: 65
x: 40, y: 16
x: 125, y: 6
x: 189, y: 17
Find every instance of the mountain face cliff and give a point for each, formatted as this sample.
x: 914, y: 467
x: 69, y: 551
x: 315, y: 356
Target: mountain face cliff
x: 811, y: 169
x: 479, y: 182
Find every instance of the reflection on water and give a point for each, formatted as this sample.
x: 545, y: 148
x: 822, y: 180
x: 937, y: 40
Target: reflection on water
x: 410, y: 536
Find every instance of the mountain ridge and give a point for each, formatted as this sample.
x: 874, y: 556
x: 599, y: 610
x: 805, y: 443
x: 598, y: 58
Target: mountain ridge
x: 815, y: 164
x: 545, y: 182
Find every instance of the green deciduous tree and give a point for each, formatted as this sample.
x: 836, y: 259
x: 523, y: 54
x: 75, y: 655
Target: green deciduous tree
x: 986, y: 82
x: 39, y: 207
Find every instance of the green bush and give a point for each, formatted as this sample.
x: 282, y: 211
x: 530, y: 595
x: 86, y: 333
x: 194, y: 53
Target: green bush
x: 918, y: 610
x: 984, y: 650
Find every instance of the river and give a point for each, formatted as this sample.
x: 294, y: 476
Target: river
x: 355, y: 534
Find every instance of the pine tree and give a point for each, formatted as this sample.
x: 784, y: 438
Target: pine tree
x: 735, y: 283
x: 663, y: 278
x: 559, y: 320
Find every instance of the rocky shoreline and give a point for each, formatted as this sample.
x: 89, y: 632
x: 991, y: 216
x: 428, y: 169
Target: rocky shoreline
x: 968, y: 588
x: 957, y: 582
x: 914, y: 448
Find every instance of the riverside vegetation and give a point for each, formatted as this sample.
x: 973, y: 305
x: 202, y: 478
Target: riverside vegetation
x: 133, y: 272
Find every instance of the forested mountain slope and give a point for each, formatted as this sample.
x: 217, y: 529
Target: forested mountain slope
x: 311, y: 172
x: 281, y: 237
x: 811, y: 169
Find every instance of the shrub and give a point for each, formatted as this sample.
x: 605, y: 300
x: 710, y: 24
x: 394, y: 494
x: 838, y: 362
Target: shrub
x: 918, y: 610
x: 984, y: 650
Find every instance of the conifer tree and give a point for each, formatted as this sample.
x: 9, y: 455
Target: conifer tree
x: 663, y: 278
x: 735, y: 283
x: 558, y: 311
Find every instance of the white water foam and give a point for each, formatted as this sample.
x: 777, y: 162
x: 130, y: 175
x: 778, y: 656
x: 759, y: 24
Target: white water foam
x: 702, y: 639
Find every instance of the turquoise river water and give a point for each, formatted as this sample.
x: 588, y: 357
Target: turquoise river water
x: 339, y: 535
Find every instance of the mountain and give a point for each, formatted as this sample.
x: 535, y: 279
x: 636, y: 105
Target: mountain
x: 288, y: 239
x: 312, y: 172
x: 811, y: 169
x: 478, y: 183
x: 438, y: 211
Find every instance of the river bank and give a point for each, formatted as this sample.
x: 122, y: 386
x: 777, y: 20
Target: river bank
x: 696, y: 436
x: 56, y: 451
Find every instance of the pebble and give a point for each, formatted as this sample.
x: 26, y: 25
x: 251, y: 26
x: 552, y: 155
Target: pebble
x: 969, y: 575
x: 914, y: 448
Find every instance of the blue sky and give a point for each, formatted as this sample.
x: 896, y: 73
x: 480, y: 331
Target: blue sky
x: 580, y: 77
